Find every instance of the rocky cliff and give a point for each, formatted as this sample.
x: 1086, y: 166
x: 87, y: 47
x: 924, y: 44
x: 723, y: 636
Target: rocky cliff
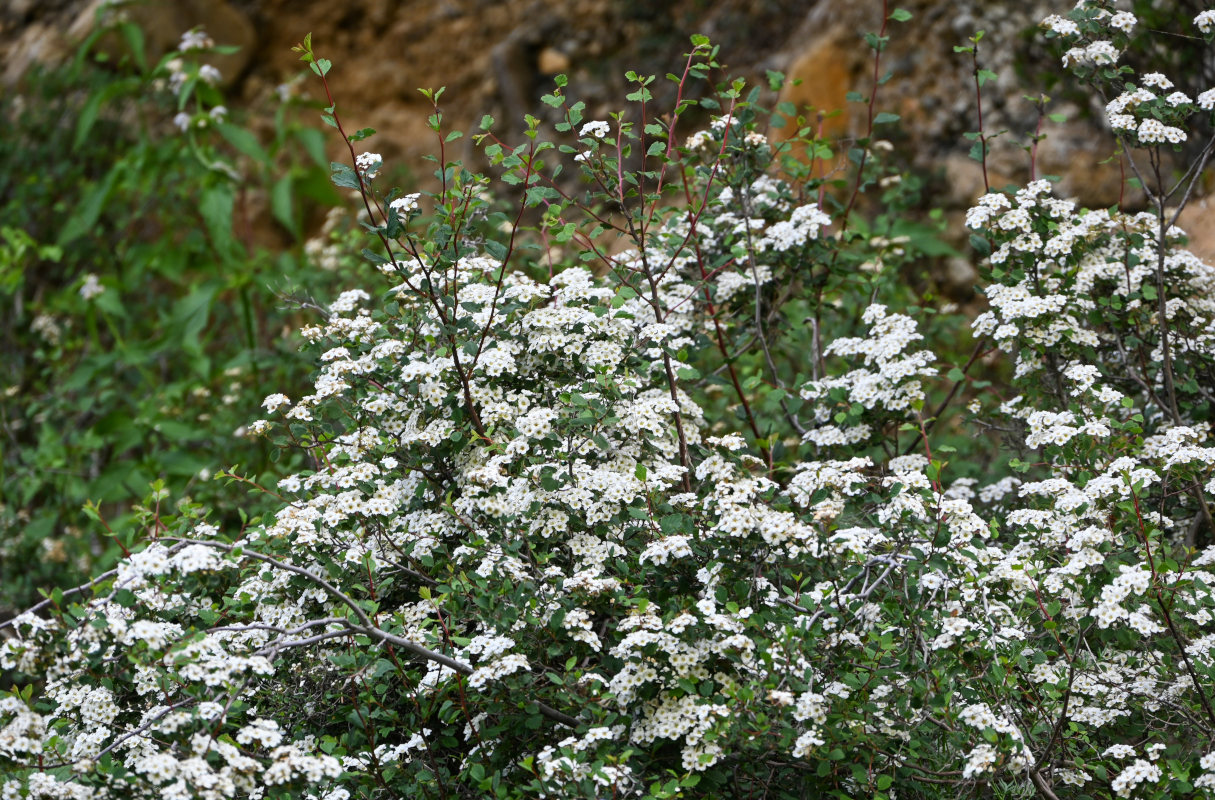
x: 498, y: 57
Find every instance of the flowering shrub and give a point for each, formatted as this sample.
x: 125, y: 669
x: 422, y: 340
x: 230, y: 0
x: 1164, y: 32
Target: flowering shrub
x: 524, y: 560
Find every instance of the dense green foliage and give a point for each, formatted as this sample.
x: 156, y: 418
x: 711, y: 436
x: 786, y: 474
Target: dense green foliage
x: 144, y: 375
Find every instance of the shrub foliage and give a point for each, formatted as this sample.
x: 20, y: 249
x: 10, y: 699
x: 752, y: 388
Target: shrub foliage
x: 701, y: 514
x: 139, y: 318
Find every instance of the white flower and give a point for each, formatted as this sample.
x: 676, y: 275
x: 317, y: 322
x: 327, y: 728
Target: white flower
x: 1205, y: 21
x: 368, y: 163
x: 196, y: 39
x: 980, y: 760
x: 596, y: 128
x: 1158, y: 80
x: 701, y: 140
x: 802, y: 226
x: 209, y: 74
x: 264, y: 732
x: 757, y: 139
x: 1101, y: 53
x: 1139, y: 772
x: 275, y: 401
x: 1123, y: 21
x: 91, y: 287
x: 1061, y: 25
x: 1153, y: 131
x: 405, y: 204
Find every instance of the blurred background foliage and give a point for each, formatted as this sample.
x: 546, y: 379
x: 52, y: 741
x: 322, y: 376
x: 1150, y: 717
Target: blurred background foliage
x: 140, y: 323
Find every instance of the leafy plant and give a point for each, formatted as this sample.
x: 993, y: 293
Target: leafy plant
x: 138, y: 314
x: 531, y: 551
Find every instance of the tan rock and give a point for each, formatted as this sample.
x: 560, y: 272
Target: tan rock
x: 963, y: 181
x: 163, y: 23
x: 958, y: 279
x: 552, y: 62
x: 1198, y: 220
x: 37, y: 44
x: 1084, y: 160
x: 818, y: 81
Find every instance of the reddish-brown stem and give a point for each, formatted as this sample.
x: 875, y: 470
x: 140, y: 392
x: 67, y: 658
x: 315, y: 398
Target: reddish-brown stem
x: 1033, y: 151
x: 670, y: 133
x: 860, y: 167
x: 721, y: 346
x: 110, y: 531
x: 974, y: 59
x: 510, y: 249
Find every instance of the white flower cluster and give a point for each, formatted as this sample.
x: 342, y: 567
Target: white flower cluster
x: 405, y: 204
x: 515, y: 536
x: 803, y: 226
x: 1099, y: 53
x: 889, y: 381
x: 91, y: 287
x: 597, y: 129
x: 1138, y: 772
x: 368, y: 163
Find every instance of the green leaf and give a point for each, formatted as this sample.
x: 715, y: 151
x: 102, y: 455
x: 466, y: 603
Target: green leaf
x: 244, y: 141
x: 671, y: 523
x: 86, y: 213
x: 190, y: 316
x: 343, y: 176
x: 282, y: 204
x: 88, y: 115
x: 898, y: 15
x: 133, y: 35
x: 885, y: 117
x: 216, y: 208
x: 313, y: 142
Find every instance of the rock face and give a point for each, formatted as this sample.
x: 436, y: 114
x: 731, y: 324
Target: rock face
x: 498, y: 57
x: 46, y: 31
